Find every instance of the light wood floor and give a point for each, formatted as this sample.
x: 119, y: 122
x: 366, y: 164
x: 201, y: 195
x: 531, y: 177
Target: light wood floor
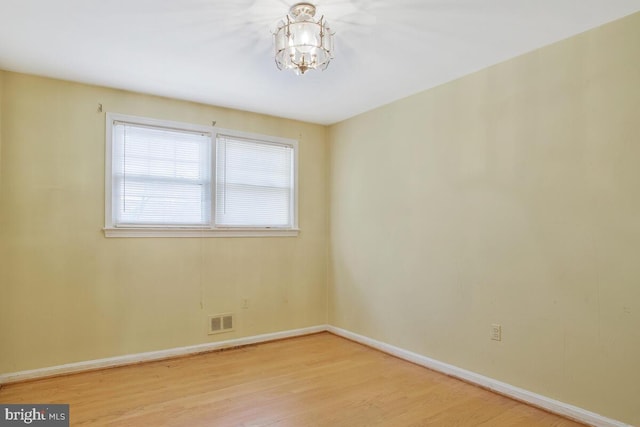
x: 316, y: 380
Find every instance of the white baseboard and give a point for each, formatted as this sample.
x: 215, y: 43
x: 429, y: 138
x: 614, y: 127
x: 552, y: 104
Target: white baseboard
x: 537, y: 400
x: 129, y: 359
x: 517, y: 393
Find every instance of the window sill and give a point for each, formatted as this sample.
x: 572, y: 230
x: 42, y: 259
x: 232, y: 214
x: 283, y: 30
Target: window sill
x: 199, y: 232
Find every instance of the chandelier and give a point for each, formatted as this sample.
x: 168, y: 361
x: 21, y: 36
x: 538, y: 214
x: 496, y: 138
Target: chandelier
x: 302, y: 43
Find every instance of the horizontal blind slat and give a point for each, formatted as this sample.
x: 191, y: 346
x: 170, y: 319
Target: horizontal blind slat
x: 161, y: 176
x: 254, y: 183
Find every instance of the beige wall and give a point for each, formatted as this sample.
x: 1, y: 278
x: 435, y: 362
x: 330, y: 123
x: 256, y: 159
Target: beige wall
x: 508, y: 196
x: 4, y: 304
x: 1, y: 87
x: 70, y: 294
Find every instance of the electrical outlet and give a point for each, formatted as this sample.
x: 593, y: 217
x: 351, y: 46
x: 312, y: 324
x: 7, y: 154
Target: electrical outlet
x: 496, y: 332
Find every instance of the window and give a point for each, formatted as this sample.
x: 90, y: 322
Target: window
x: 176, y: 179
x: 253, y: 183
x: 160, y: 176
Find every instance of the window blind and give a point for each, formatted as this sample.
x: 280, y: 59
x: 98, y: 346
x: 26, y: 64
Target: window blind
x: 161, y: 176
x: 254, y: 183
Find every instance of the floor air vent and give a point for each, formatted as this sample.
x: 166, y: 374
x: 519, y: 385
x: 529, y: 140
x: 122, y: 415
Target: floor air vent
x: 220, y: 323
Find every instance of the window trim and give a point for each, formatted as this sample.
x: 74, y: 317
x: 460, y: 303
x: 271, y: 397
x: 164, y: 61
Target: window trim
x: 111, y: 230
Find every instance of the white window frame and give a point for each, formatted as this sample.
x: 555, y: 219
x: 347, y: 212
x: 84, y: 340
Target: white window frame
x: 112, y: 230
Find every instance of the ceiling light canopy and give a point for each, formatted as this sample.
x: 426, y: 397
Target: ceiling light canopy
x: 302, y: 43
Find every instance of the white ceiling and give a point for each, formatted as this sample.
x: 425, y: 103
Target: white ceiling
x: 220, y: 52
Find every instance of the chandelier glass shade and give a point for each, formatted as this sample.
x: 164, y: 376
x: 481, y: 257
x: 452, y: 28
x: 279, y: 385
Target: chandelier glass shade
x: 302, y: 43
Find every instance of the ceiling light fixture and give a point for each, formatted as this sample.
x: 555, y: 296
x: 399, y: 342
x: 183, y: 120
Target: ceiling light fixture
x: 302, y: 43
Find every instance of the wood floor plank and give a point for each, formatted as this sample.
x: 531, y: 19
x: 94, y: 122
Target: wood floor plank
x: 315, y: 380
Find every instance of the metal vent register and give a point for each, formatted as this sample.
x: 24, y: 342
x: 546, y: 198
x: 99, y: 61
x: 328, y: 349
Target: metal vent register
x: 220, y: 323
